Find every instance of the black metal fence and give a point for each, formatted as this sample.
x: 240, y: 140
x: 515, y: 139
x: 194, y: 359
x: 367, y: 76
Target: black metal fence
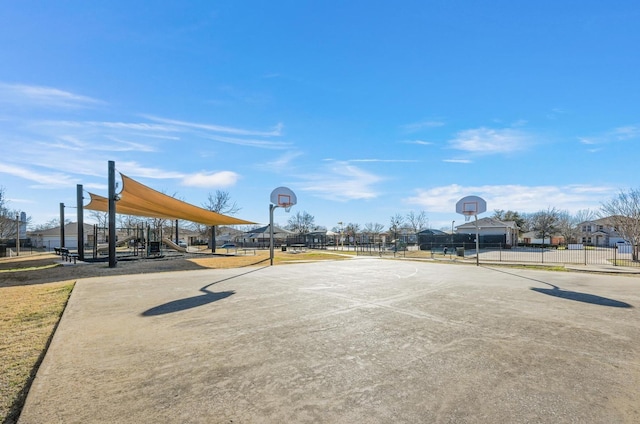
x: 488, y: 253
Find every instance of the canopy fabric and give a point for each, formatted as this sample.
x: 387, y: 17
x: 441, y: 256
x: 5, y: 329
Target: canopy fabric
x: 140, y: 200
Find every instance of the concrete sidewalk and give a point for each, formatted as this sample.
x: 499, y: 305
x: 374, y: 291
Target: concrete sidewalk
x: 371, y: 340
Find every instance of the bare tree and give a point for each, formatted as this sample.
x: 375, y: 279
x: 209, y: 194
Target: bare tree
x: 545, y: 223
x: 395, y: 224
x: 101, y: 218
x: 221, y: 202
x: 129, y: 222
x: 352, y: 230
x: 417, y: 221
x: 218, y: 202
x: 301, y: 223
x: 567, y: 226
x: 373, y: 229
x: 8, y: 227
x: 623, y: 214
x: 584, y: 215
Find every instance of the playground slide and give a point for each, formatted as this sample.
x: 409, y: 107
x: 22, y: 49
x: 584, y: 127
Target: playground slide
x: 173, y: 246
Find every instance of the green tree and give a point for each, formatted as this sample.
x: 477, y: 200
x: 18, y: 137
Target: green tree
x: 545, y: 223
x: 504, y: 216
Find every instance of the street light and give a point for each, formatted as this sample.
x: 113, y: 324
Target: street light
x: 452, y: 222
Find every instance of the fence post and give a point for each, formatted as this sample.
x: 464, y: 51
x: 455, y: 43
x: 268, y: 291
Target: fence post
x: 542, y: 250
x: 615, y: 256
x: 585, y: 254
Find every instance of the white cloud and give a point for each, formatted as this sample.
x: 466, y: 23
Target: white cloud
x: 420, y: 125
x: 211, y: 180
x: 457, y: 160
x: 39, y: 96
x: 519, y: 198
x: 418, y: 142
x: 276, y: 131
x: 624, y: 133
x: 490, y: 141
x: 43, y: 180
x: 283, y: 162
x: 384, y: 160
x: 342, y: 182
x: 134, y: 169
x: 628, y: 132
x: 249, y: 142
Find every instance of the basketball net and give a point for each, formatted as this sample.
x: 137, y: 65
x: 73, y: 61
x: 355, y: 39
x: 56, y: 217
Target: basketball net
x: 287, y: 207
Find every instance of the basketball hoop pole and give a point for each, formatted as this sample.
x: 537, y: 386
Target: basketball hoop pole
x: 477, y: 243
x: 280, y: 197
x: 271, y: 208
x: 472, y: 205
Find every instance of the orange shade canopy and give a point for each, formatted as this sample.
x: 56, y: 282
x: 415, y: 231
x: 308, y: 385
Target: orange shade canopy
x: 139, y: 200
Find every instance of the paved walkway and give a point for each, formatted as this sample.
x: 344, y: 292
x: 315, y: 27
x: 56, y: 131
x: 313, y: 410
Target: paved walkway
x: 368, y: 340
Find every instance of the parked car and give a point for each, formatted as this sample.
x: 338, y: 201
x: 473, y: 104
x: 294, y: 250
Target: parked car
x: 183, y: 243
x: 228, y: 246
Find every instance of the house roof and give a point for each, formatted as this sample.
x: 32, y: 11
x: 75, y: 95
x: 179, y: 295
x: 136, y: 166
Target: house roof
x: 265, y: 229
x: 139, y: 200
x: 70, y: 229
x: 431, y: 232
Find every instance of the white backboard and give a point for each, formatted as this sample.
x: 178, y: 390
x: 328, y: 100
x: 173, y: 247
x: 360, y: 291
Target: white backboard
x: 471, y: 205
x: 283, y: 197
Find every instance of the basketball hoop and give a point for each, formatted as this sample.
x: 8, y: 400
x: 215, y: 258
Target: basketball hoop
x: 281, y: 197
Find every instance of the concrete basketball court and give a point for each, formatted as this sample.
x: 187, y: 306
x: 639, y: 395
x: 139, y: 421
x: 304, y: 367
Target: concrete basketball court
x: 355, y: 341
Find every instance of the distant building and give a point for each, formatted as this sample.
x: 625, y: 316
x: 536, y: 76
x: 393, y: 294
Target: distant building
x: 51, y: 238
x: 598, y: 232
x: 492, y: 227
x: 532, y: 237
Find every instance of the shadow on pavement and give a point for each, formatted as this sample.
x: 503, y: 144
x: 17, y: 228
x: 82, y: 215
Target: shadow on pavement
x: 571, y: 295
x: 194, y: 301
x: 582, y: 297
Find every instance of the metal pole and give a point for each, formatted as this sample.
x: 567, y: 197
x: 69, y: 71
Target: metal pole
x: 112, y: 215
x: 177, y: 235
x: 80, y: 222
x: 477, y: 243
x: 17, y: 234
x: 271, y: 208
x: 61, y: 224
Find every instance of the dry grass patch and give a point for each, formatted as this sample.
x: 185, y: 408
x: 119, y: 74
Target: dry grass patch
x: 261, y: 258
x: 29, y: 316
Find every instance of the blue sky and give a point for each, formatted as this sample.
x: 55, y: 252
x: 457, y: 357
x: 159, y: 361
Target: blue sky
x: 365, y: 109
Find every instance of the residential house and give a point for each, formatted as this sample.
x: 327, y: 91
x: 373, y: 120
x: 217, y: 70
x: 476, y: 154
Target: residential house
x: 51, y: 238
x: 532, y: 237
x: 598, y: 232
x: 507, y: 231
